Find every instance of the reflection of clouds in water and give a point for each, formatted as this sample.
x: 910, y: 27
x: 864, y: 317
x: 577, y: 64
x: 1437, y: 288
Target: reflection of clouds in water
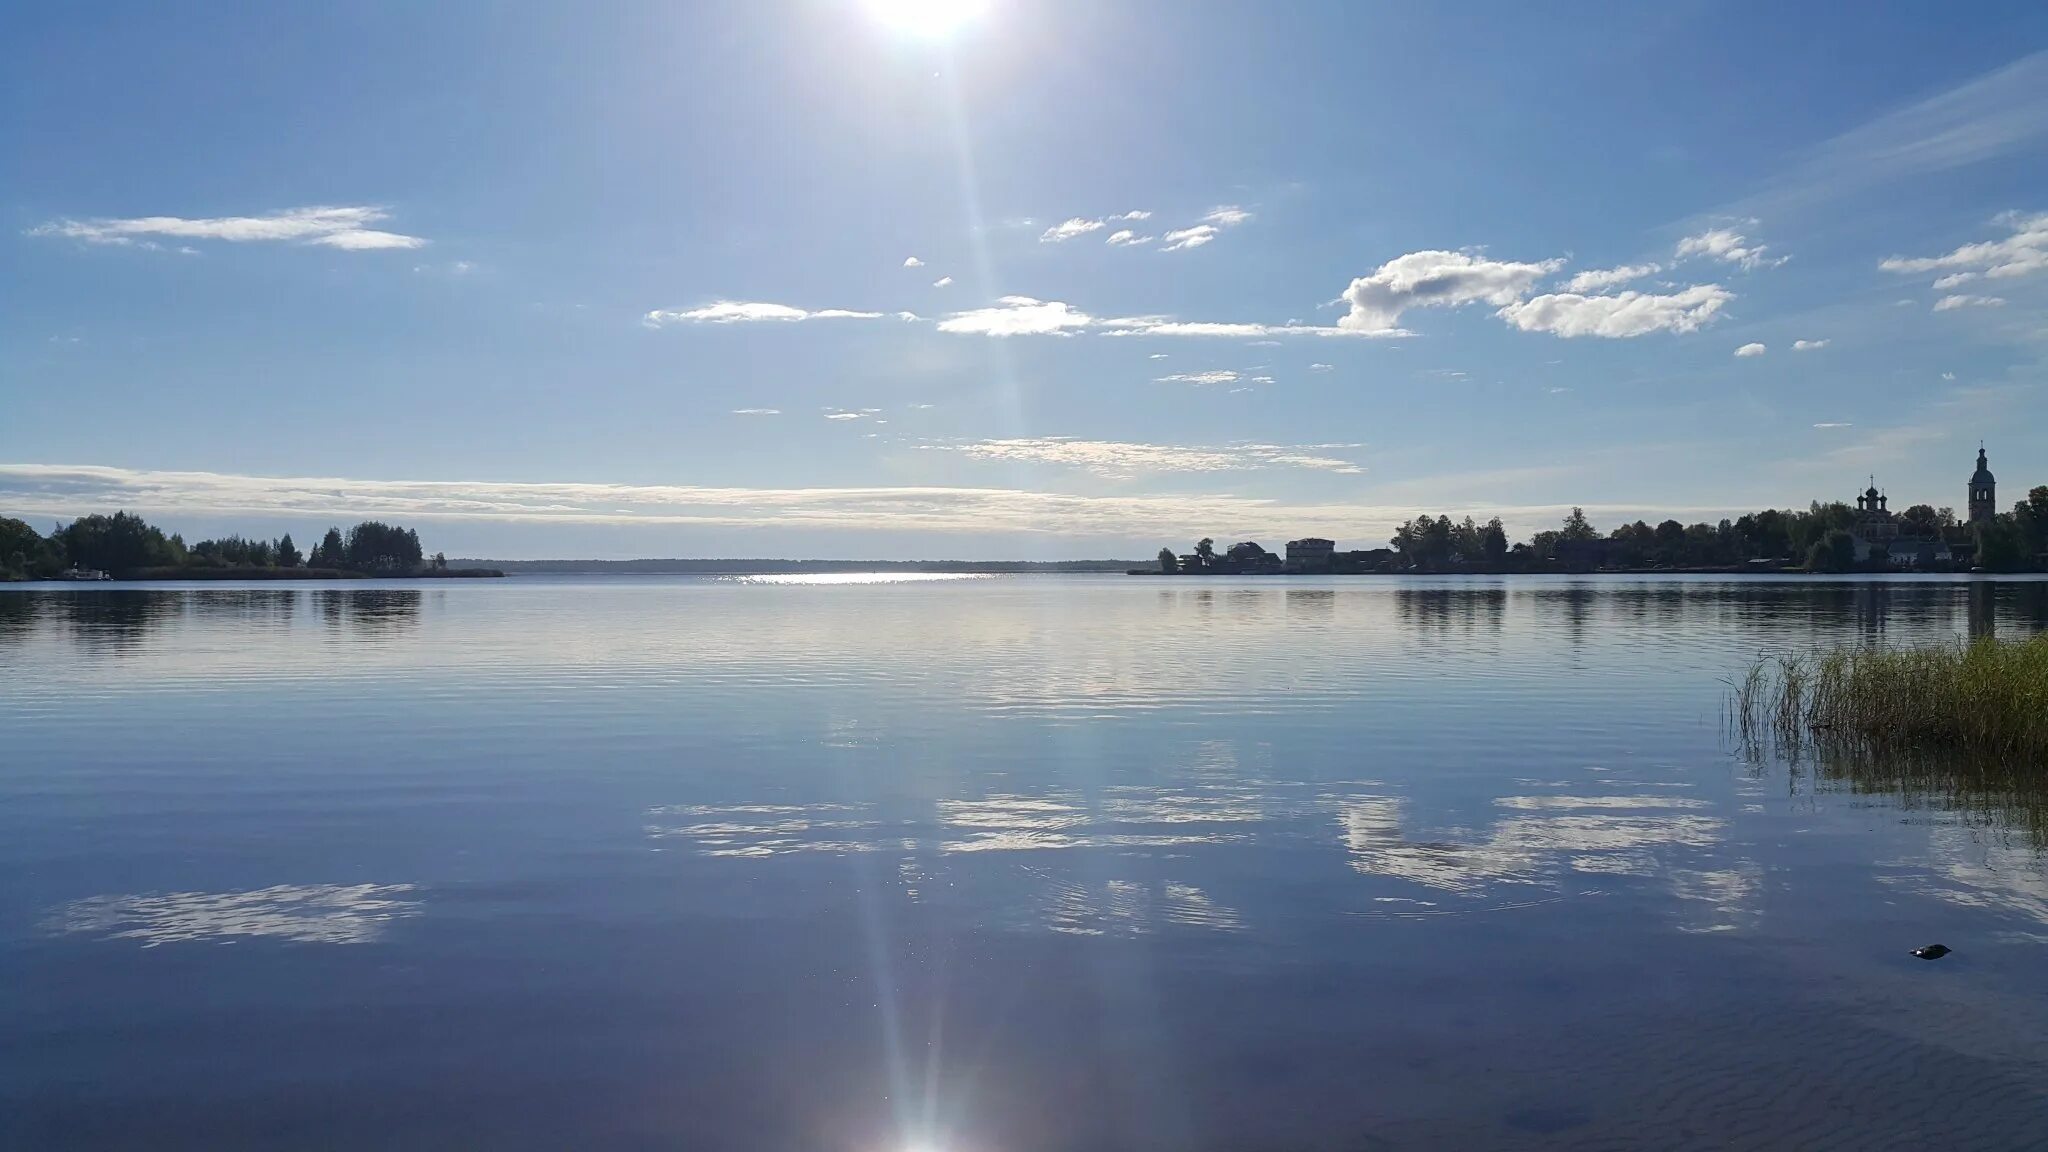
x: 1730, y: 895
x: 1129, y: 908
x: 307, y: 914
x: 770, y: 829
x: 1529, y: 849
x: 1964, y: 868
x: 1026, y: 823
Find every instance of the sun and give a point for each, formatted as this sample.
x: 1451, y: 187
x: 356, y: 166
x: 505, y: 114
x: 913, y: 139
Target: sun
x: 930, y: 19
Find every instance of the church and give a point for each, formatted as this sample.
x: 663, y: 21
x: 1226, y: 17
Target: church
x: 1877, y: 529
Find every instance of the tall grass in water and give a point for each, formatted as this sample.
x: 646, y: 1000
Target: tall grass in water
x: 1988, y: 697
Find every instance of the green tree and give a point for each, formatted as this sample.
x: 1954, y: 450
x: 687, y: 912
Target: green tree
x: 1168, y: 562
x: 1920, y: 520
x: 288, y: 553
x: 1493, y: 542
x: 1205, y: 551
x: 374, y: 546
x: 329, y: 553
x: 2000, y: 545
x: 440, y: 561
x: 122, y: 542
x: 1835, y: 552
x: 1576, y: 527
x: 2030, y: 516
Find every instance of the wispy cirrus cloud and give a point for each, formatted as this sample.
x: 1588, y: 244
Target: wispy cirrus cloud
x: 1601, y: 279
x: 2023, y: 252
x: 1210, y: 226
x: 751, y: 312
x: 1116, y: 458
x: 1216, y: 376
x: 1729, y: 247
x: 1075, y: 226
x: 757, y: 411
x: 346, y: 228
x: 1951, y: 303
x: 1126, y: 238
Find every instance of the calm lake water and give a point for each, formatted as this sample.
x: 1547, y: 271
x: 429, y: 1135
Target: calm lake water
x: 990, y: 865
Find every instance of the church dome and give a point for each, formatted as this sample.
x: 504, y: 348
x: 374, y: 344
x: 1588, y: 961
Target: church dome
x: 1983, y: 473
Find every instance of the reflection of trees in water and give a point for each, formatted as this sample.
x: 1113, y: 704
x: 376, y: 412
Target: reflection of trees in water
x: 271, y: 607
x: 2009, y: 795
x: 369, y: 610
x: 1439, y: 610
x: 114, y: 619
x: 17, y: 616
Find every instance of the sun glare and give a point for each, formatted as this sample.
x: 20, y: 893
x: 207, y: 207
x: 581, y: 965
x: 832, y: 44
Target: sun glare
x: 931, y: 19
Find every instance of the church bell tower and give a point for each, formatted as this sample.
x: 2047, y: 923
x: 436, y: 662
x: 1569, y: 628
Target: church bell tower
x: 1983, y: 491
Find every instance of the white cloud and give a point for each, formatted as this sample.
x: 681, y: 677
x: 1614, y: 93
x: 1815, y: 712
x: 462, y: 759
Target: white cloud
x: 1125, y: 238
x: 1748, y: 350
x: 842, y: 415
x: 922, y: 406
x: 912, y: 262
x: 1951, y: 303
x: 1135, y: 214
x: 1601, y: 279
x: 1027, y: 316
x: 1067, y: 230
x: 1810, y: 345
x: 1115, y: 458
x: 1210, y: 226
x: 942, y: 282
x: 1618, y: 317
x: 748, y: 312
x: 1949, y: 376
x: 1156, y: 356
x: 1435, y: 279
x: 2022, y: 253
x: 1321, y: 367
x: 757, y: 411
x: 1215, y: 376
x: 1728, y: 246
x: 1018, y: 316
x: 1182, y: 239
x: 346, y: 228
x: 1834, y: 424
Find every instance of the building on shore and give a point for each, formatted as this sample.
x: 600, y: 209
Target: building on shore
x: 1983, y: 490
x: 1310, y: 554
x: 1876, y: 527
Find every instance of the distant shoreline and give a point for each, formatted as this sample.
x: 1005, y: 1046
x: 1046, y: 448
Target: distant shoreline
x: 773, y: 567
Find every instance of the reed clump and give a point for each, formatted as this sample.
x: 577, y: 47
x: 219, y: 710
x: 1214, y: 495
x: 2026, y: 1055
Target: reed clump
x: 1986, y: 697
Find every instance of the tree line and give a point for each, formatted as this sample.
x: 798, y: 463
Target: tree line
x: 1820, y: 539
x: 125, y: 544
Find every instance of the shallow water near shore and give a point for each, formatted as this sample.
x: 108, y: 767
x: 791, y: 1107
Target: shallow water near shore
x: 991, y: 863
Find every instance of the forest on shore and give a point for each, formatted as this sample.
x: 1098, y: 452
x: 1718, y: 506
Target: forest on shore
x: 125, y: 546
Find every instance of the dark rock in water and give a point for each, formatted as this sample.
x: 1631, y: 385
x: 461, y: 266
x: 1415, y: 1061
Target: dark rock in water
x: 1932, y: 951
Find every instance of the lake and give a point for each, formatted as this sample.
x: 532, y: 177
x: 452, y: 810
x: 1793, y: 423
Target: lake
x: 905, y: 864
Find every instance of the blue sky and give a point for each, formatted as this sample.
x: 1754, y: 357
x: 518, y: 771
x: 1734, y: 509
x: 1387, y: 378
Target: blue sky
x: 567, y: 282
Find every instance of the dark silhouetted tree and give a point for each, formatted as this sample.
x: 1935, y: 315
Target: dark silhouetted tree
x: 119, y: 543
x: 374, y: 546
x: 288, y: 552
x: 1168, y: 562
x: 1576, y: 527
x: 1835, y: 552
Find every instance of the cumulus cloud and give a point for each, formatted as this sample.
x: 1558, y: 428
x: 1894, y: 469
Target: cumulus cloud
x: 1951, y: 303
x: 1125, y: 238
x: 1809, y: 345
x: 1436, y: 279
x: 346, y: 228
x: 1018, y: 316
x: 942, y: 282
x: 2021, y: 253
x: 757, y: 411
x: 912, y: 262
x: 1628, y: 314
x: 1116, y: 458
x: 1215, y: 376
x: 1601, y: 279
x: 752, y: 312
x: 1729, y: 247
x: 1748, y: 350
x: 1067, y: 230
